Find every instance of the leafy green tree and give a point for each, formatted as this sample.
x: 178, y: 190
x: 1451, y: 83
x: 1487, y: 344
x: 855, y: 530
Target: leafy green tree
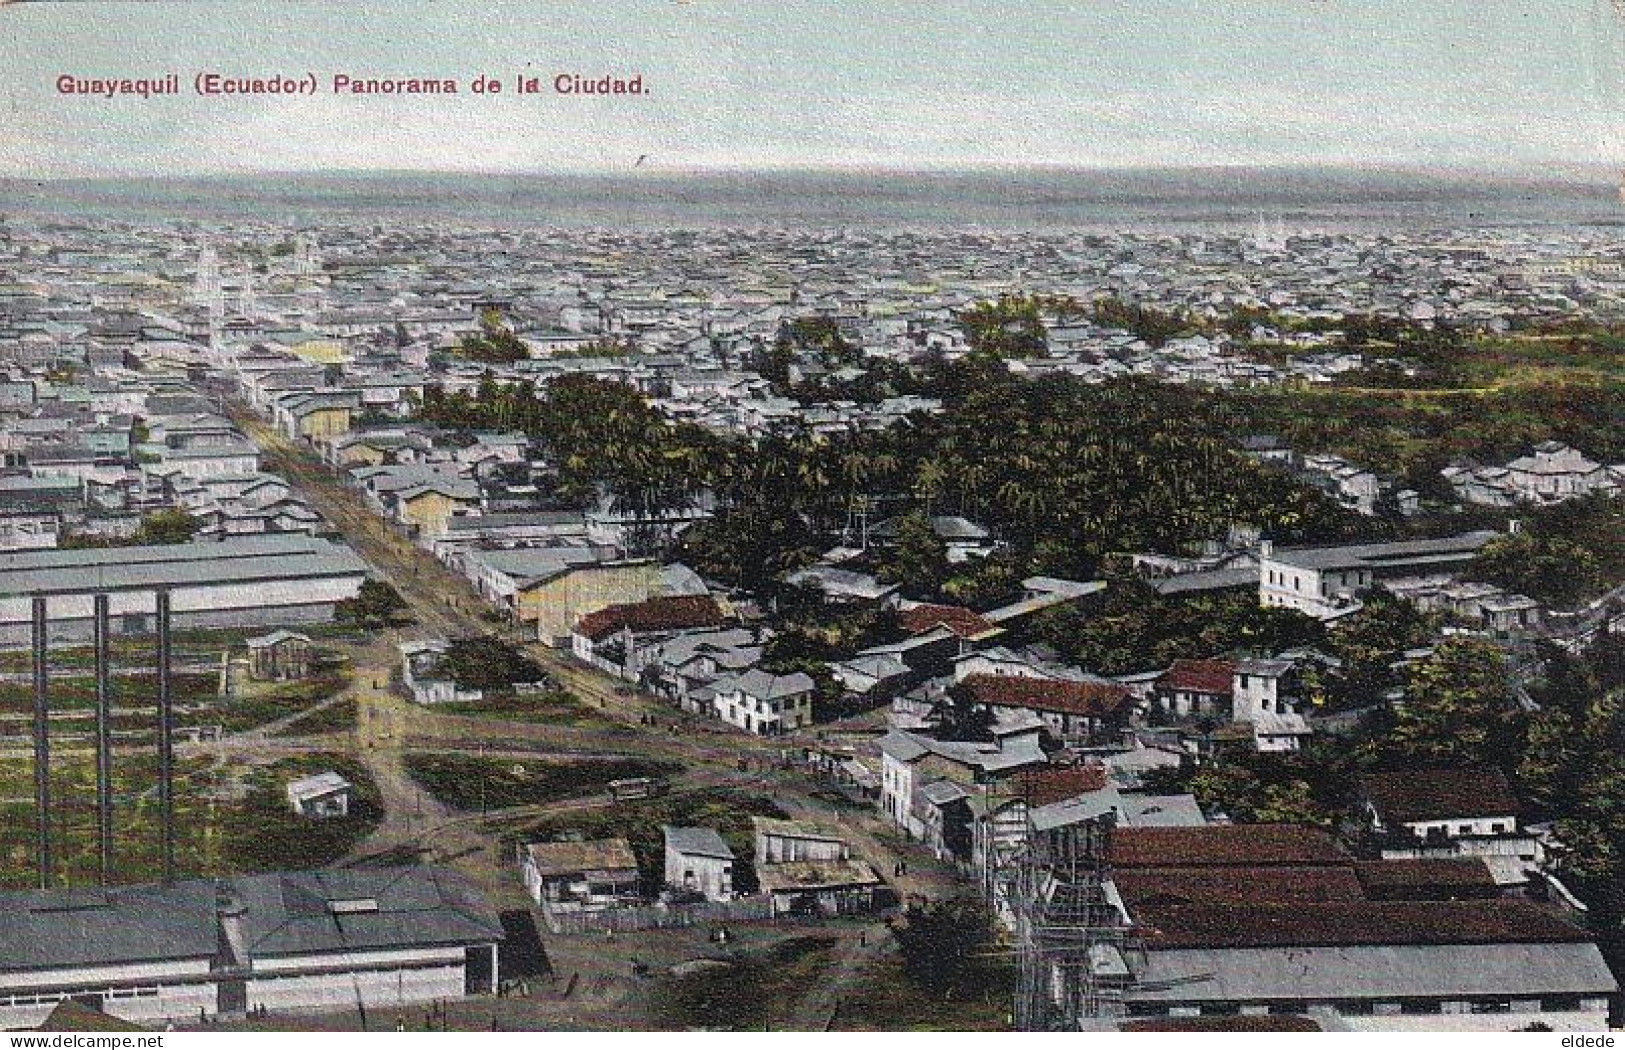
x: 959, y: 716
x: 1291, y: 803
x: 488, y: 663
x: 495, y: 343
x: 1550, y: 569
x: 1458, y: 707
x: 948, y: 947
x: 918, y: 559
x: 1010, y: 327
x: 166, y: 526
x: 376, y: 604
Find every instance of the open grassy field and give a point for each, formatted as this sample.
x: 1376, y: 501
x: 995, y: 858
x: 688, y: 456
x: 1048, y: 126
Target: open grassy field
x: 77, y: 692
x: 267, y: 703
x: 886, y: 1000
x: 225, y: 820
x: 554, y: 707
x: 752, y: 991
x: 465, y: 782
x: 337, y: 717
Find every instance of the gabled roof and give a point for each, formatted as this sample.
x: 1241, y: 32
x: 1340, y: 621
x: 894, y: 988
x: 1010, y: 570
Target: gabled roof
x: 55, y: 929
x: 1199, y: 676
x: 696, y: 842
x: 1163, y: 887
x: 1089, y: 698
x: 1339, y: 923
x: 355, y: 909
x: 767, y: 686
x: 960, y: 621
x: 1225, y: 845
x: 1414, y: 795
x: 657, y: 614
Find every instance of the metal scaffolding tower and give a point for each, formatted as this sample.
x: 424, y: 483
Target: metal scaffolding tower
x: 1071, y: 941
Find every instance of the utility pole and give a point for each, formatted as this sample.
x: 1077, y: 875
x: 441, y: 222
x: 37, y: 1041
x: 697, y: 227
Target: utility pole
x: 104, y: 746
x: 166, y: 742
x: 42, y: 746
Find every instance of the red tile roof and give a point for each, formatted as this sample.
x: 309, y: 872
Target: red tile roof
x: 1233, y: 1023
x: 1094, y: 699
x: 1162, y: 887
x: 961, y: 621
x: 656, y: 614
x: 1427, y: 879
x: 1199, y: 676
x: 1439, y: 794
x: 1348, y: 923
x: 1041, y: 787
x: 1225, y: 845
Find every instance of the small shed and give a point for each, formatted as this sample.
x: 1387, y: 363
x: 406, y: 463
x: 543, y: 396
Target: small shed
x: 580, y: 876
x: 698, y: 861
x: 784, y: 841
x: 279, y: 656
x: 320, y: 796
x: 820, y: 887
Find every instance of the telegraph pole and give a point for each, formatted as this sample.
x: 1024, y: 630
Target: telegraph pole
x: 42, y: 746
x: 166, y: 742
x: 104, y: 746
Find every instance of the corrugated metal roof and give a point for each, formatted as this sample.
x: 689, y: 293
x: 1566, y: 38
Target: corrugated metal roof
x: 55, y: 929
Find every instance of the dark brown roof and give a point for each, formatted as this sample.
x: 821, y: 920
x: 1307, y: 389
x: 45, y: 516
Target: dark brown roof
x: 1041, y: 787
x: 1429, y: 879
x: 1199, y: 676
x: 657, y: 614
x: 1349, y: 923
x: 1225, y: 845
x: 1093, y: 699
x: 961, y: 621
x: 1233, y: 1023
x: 1439, y: 794
x: 1154, y: 887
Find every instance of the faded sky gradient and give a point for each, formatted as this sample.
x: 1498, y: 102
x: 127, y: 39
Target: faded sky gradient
x: 1515, y: 86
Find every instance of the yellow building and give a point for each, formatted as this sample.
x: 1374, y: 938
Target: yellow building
x: 555, y: 604
x: 326, y: 422
x: 429, y: 507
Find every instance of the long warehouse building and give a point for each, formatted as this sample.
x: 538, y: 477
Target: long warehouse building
x: 249, y: 581
x: 288, y: 942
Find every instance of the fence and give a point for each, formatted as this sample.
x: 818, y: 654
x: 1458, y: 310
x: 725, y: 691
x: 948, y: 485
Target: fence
x: 658, y: 916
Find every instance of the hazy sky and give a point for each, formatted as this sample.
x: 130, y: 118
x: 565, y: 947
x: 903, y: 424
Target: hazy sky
x: 1518, y: 85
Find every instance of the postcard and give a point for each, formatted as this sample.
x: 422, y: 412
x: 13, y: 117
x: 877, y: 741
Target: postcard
x: 675, y: 516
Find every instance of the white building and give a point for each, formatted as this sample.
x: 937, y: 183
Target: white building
x: 320, y: 796
x: 290, y: 941
x: 765, y: 704
x: 1325, y: 581
x: 698, y: 861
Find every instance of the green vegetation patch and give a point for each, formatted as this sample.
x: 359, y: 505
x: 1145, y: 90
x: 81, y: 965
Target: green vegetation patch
x: 470, y: 783
x: 752, y: 992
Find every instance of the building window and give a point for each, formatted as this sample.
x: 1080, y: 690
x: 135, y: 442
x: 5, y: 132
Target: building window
x: 1421, y: 1006
x: 1491, y: 1006
x: 1289, y: 1008
x: 1221, y: 1009
x: 1560, y: 1003
x: 1147, y: 1010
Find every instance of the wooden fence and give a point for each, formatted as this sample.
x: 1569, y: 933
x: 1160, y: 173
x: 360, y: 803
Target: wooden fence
x: 658, y: 916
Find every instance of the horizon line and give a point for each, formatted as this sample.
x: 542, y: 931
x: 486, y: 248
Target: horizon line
x: 1569, y: 172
